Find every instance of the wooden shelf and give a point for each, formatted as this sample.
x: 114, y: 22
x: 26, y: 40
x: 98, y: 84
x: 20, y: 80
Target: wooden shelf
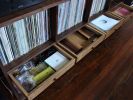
x: 41, y: 48
x: 55, y: 39
x: 43, y: 85
x: 81, y: 42
x: 20, y: 14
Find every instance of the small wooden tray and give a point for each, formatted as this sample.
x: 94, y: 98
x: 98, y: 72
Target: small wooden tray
x: 126, y: 18
x: 92, y: 38
x: 116, y: 27
x: 42, y: 86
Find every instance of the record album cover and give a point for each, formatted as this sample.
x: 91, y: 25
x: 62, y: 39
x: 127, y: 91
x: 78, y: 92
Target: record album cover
x: 56, y: 61
x: 105, y: 23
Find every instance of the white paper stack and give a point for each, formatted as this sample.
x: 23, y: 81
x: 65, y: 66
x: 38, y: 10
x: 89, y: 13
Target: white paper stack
x: 105, y: 23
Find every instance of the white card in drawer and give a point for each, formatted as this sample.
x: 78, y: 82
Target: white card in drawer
x: 56, y: 61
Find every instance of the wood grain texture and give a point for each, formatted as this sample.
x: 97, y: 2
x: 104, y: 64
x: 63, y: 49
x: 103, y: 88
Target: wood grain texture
x: 89, y: 43
x: 105, y: 74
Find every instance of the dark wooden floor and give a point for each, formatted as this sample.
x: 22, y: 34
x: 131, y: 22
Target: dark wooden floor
x: 104, y: 74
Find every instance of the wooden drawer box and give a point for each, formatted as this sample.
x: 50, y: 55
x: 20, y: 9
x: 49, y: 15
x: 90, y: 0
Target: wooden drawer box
x: 115, y: 10
x: 47, y: 82
x: 113, y: 29
x: 80, y: 43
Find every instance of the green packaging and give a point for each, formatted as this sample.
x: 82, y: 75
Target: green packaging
x: 43, y: 75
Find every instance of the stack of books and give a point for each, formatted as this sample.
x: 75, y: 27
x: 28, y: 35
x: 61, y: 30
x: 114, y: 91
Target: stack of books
x: 23, y: 35
x: 70, y: 14
x: 97, y: 6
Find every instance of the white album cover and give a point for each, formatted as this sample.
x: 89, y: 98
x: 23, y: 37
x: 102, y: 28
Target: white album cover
x: 56, y: 61
x: 105, y: 23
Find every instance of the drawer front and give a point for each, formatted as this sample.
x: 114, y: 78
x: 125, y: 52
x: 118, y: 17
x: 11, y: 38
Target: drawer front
x: 46, y: 83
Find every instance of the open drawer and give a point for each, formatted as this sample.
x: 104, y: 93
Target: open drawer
x: 104, y: 23
x: 81, y: 42
x: 122, y: 10
x: 35, y: 75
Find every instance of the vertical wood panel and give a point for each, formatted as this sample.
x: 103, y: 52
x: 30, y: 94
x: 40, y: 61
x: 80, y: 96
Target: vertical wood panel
x: 53, y: 22
x: 107, y: 5
x: 87, y: 10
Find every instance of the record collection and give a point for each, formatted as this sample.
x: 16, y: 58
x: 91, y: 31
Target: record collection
x: 34, y: 75
x: 23, y: 35
x: 70, y: 14
x: 97, y: 5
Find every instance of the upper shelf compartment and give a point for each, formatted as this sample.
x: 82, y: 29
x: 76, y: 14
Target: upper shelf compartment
x: 70, y: 14
x: 17, y: 15
x: 22, y: 36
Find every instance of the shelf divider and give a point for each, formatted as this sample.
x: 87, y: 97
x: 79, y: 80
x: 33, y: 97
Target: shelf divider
x: 87, y: 10
x: 53, y: 22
